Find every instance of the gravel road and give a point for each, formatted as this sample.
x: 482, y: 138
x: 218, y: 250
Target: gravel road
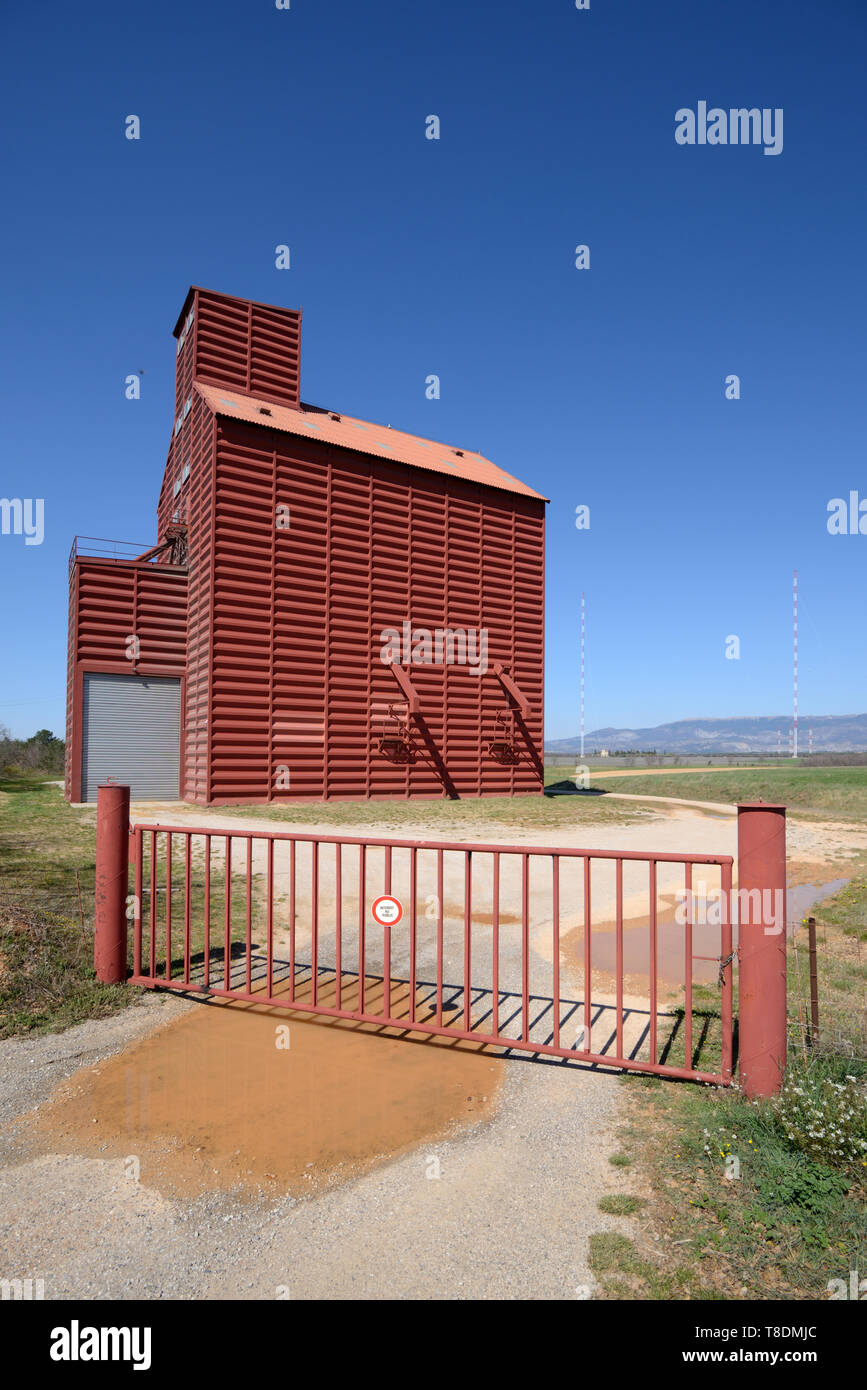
x: 509, y: 1215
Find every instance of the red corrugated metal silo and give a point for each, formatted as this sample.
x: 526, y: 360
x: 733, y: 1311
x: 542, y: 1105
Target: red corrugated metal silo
x: 311, y: 542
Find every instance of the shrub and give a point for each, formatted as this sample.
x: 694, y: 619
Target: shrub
x: 825, y: 1118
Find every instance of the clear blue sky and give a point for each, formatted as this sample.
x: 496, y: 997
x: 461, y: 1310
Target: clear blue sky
x: 456, y: 257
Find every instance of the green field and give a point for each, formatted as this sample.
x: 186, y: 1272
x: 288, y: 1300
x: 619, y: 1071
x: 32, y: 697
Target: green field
x: 497, y: 812
x: 46, y: 911
x: 44, y: 843
x: 837, y: 793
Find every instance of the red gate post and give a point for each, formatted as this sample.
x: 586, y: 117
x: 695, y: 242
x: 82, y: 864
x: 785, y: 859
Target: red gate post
x: 761, y: 947
x: 112, y: 883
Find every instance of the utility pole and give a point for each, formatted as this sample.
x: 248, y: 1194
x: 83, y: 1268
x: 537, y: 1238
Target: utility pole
x: 795, y: 664
x: 582, y: 676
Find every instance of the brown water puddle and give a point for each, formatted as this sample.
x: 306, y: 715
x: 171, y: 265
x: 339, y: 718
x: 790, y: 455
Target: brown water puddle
x: 636, y: 947
x: 801, y: 896
x: 212, y: 1102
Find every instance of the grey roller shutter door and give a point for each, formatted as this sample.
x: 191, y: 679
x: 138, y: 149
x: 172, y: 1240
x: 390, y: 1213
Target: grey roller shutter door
x: 131, y: 731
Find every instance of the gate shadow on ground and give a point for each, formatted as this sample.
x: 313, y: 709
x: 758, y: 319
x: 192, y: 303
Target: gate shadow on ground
x: 484, y: 1011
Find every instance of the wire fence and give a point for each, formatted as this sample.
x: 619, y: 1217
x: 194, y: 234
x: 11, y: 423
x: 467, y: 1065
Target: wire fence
x: 824, y: 1012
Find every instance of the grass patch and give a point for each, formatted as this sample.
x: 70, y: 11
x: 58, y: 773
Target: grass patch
x: 847, y: 910
x: 47, y: 866
x: 836, y: 793
x: 47, y: 980
x: 624, y: 1272
x: 620, y: 1160
x: 612, y: 1253
x: 380, y: 817
x: 620, y: 1204
x: 763, y: 1200
x: 47, y: 850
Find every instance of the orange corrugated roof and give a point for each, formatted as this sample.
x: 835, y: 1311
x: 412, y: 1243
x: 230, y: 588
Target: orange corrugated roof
x: 364, y: 437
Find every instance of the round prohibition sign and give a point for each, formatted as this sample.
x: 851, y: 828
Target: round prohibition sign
x: 387, y: 910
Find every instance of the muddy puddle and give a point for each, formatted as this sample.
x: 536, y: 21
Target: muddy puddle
x: 265, y: 1102
x: 670, y: 940
x: 636, y: 948
x: 804, y: 896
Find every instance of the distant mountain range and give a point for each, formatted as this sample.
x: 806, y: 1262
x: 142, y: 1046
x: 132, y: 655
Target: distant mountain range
x: 832, y: 733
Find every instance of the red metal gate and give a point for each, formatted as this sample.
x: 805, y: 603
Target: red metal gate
x: 575, y: 954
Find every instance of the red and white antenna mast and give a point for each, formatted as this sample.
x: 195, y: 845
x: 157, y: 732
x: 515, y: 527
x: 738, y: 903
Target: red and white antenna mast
x: 582, y: 677
x: 795, y: 665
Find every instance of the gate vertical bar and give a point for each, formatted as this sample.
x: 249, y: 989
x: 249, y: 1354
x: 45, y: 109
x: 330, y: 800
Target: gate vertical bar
x: 168, y: 905
x: 588, y: 962
x: 525, y: 946
x: 495, y: 981
x: 439, y: 938
x: 338, y: 926
x: 413, y: 928
x: 206, y: 975
x: 138, y: 886
x: 314, y: 878
x: 653, y: 963
x: 152, y: 943
x: 687, y: 969
x: 292, y: 872
x: 227, y: 914
x: 188, y: 875
x: 555, y: 908
x: 468, y: 928
x: 726, y: 971
x: 269, y: 927
x: 386, y: 945
x: 618, y: 983
x: 362, y: 895
x: 248, y: 916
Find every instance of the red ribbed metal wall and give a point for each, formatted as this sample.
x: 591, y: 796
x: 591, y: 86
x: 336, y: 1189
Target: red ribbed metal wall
x: 236, y: 343
x: 190, y: 471
x: 299, y: 690
x: 285, y: 693
x: 109, y: 602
